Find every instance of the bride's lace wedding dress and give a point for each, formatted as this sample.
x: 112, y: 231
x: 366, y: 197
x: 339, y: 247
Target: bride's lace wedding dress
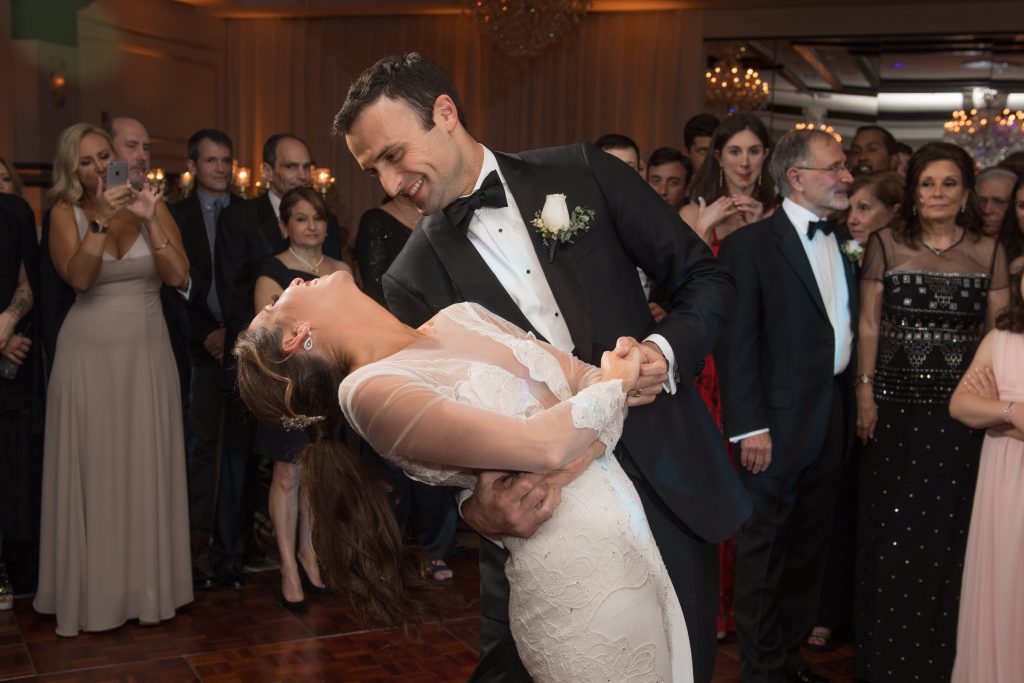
x: 590, y: 597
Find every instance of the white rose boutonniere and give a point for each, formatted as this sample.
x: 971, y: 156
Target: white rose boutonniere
x: 556, y: 226
x: 852, y: 250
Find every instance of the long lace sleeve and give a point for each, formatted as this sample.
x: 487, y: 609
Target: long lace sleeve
x: 404, y: 416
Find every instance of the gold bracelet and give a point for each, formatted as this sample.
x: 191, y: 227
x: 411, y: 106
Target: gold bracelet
x: 162, y: 245
x: 1006, y: 411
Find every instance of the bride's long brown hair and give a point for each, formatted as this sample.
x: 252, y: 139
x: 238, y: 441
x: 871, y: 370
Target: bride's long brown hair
x: 355, y: 534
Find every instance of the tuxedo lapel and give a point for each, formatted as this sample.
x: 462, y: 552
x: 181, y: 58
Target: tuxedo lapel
x: 788, y: 243
x: 561, y: 273
x: 473, y: 280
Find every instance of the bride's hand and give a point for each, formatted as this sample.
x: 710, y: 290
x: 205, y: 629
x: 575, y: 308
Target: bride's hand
x: 625, y: 368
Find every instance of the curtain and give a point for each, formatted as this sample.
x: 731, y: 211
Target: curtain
x: 636, y: 73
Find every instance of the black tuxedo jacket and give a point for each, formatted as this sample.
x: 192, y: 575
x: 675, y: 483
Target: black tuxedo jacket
x: 776, y: 356
x: 247, y: 232
x: 188, y: 214
x: 673, y: 441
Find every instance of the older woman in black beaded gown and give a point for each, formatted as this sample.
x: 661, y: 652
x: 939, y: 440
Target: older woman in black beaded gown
x: 383, y: 231
x: 929, y: 289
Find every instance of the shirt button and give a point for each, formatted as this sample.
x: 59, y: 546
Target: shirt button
x: 527, y: 271
x: 499, y: 229
x: 556, y: 314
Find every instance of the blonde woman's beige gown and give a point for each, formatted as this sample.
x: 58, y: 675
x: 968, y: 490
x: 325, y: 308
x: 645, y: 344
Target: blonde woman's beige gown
x: 114, y: 542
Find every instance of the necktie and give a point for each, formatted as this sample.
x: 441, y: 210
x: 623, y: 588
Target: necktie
x: 491, y: 194
x: 825, y: 227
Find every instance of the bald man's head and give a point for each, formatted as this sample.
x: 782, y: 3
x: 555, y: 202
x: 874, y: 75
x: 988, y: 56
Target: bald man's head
x: 131, y: 143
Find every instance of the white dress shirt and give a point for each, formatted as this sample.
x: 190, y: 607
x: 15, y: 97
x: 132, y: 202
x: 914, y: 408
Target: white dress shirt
x: 275, y: 203
x: 501, y: 238
x: 827, y: 265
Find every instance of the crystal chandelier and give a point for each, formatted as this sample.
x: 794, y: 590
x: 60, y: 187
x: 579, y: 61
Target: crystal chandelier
x: 525, y: 28
x: 989, y: 133
x: 731, y: 87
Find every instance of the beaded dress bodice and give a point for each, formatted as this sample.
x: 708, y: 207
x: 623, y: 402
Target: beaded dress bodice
x: 933, y: 313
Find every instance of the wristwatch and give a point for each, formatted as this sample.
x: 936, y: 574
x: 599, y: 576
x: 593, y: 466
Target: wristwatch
x: 96, y: 227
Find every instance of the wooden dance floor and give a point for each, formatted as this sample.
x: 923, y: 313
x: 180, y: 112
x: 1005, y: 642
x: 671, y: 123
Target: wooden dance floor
x: 246, y: 635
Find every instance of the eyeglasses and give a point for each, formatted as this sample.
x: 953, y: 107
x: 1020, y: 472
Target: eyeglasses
x: 836, y: 169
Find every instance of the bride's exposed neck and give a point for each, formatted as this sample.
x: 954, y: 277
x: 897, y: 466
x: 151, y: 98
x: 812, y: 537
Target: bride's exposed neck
x: 378, y: 335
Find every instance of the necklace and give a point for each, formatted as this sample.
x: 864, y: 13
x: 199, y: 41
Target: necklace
x: 315, y: 267
x: 940, y: 251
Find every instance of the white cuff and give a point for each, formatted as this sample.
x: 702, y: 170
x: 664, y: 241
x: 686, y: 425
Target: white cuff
x: 186, y: 292
x: 737, y: 439
x: 462, y: 497
x: 666, y: 350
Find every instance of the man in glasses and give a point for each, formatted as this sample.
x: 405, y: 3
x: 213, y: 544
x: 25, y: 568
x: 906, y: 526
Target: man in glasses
x: 785, y: 364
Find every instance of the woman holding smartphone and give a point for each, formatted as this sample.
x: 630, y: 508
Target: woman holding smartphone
x: 114, y: 530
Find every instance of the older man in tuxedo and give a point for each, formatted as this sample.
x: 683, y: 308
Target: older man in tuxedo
x: 248, y: 232
x: 403, y: 123
x: 786, y: 370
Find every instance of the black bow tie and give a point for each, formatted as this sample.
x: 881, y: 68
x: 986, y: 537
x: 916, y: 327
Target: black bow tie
x: 491, y: 194
x: 825, y: 227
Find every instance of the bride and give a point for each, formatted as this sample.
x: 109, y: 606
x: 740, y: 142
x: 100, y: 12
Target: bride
x: 590, y: 598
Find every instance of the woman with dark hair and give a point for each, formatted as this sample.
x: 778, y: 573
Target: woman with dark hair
x: 590, y: 597
x: 1011, y: 233
x: 383, y: 231
x: 991, y: 397
x: 930, y: 286
x: 733, y: 187
x: 874, y: 203
x: 303, y: 220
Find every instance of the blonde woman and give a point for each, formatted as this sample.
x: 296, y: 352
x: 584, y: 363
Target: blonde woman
x: 114, y: 539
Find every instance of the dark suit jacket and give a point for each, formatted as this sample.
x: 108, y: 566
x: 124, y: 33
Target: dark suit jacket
x: 189, y: 216
x: 776, y: 357
x: 673, y: 441
x: 247, y: 232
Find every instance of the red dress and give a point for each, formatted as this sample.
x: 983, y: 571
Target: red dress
x: 707, y: 384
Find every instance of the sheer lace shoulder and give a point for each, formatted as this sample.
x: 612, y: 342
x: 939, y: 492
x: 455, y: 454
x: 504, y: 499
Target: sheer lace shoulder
x: 477, y: 393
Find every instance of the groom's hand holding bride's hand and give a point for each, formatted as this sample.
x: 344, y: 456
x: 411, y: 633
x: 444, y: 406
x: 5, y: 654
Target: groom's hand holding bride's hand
x: 653, y: 370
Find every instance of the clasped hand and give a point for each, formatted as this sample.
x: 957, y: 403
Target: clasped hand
x: 141, y: 203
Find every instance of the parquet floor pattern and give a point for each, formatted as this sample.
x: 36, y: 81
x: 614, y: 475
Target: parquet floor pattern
x: 229, y: 636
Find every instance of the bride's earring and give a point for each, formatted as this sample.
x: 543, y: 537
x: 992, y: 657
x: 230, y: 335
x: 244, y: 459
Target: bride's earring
x: 308, y: 344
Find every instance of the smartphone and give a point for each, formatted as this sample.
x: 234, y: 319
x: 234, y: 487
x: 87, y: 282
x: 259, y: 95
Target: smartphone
x: 117, y: 174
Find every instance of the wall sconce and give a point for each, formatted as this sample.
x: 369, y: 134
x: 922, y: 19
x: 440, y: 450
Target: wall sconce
x: 58, y: 83
x: 156, y: 175
x: 323, y: 181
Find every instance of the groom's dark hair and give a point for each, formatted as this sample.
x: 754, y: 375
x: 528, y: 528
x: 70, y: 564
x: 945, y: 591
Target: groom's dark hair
x: 407, y: 77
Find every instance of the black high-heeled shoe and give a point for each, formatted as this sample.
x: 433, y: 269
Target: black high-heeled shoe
x: 309, y: 586
x: 299, y: 607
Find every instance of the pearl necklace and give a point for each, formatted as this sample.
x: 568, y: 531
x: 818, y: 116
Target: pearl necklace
x: 313, y: 267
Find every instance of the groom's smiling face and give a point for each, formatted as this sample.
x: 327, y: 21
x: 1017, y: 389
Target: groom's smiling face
x: 388, y: 141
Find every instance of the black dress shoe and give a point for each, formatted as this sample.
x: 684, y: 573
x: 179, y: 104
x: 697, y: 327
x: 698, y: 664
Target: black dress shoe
x: 806, y: 676
x: 201, y: 581
x: 235, y: 582
x: 309, y: 586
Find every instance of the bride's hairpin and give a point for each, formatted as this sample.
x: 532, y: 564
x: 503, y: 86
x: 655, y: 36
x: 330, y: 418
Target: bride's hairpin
x: 299, y: 422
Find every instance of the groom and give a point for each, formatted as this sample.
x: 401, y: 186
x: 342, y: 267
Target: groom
x: 403, y: 123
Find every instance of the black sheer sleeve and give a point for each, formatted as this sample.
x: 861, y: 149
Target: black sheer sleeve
x: 380, y: 239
